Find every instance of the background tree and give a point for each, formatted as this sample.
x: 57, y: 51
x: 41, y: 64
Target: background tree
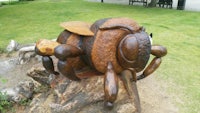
x: 152, y: 3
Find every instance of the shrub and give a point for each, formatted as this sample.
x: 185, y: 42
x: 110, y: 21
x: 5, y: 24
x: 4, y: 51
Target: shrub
x: 4, y: 103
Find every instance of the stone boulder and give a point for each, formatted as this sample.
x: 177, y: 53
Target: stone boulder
x: 66, y: 96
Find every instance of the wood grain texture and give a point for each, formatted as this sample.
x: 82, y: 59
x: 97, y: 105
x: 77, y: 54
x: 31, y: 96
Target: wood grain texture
x: 43, y: 47
x: 106, y: 43
x: 63, y: 36
x: 134, y: 51
x: 105, y: 47
x: 67, y: 70
x: 128, y: 51
x: 116, y: 22
x: 144, y: 51
x: 110, y: 85
x: 158, y: 51
x: 64, y: 51
x: 78, y: 27
x: 48, y: 64
x: 74, y: 41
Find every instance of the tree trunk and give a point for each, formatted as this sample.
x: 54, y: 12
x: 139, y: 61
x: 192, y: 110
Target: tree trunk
x: 152, y: 3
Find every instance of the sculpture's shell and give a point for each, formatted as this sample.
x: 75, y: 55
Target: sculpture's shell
x: 77, y: 27
x: 121, y: 23
x: 105, y: 45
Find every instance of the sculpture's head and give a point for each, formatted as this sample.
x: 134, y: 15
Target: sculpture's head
x: 132, y: 47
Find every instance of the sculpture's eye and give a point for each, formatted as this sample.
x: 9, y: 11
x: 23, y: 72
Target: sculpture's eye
x: 129, y: 48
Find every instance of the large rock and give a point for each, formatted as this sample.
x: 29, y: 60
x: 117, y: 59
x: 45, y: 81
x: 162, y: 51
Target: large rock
x: 21, y: 92
x: 61, y: 95
x: 66, y: 96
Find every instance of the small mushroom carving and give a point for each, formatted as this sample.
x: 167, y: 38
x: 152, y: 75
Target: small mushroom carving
x: 113, y: 47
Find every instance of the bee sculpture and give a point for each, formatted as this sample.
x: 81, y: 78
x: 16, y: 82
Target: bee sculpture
x: 117, y: 48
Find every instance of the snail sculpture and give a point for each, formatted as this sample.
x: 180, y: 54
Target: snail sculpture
x: 113, y: 47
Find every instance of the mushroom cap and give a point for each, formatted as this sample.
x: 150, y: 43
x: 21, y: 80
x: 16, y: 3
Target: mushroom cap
x: 78, y: 27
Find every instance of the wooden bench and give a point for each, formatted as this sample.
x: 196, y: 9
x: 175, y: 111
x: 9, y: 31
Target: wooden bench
x: 167, y: 3
x: 139, y: 1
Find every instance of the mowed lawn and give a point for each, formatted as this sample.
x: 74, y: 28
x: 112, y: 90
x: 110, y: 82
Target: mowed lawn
x: 177, y: 30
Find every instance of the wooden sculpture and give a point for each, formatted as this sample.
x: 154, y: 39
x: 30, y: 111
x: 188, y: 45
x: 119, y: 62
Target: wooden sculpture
x: 113, y: 47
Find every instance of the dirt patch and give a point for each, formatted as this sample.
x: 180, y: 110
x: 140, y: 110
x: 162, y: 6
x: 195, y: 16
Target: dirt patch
x: 11, y: 72
x: 154, y: 96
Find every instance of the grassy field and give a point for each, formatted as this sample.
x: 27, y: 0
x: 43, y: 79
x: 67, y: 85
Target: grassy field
x: 179, y: 31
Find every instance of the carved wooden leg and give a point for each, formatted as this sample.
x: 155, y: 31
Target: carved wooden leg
x: 67, y: 70
x: 131, y: 87
x: 158, y: 52
x: 63, y: 51
x: 48, y: 64
x: 110, y: 86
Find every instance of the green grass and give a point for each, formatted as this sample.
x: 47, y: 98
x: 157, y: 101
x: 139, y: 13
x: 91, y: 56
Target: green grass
x: 3, y: 80
x: 177, y: 30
